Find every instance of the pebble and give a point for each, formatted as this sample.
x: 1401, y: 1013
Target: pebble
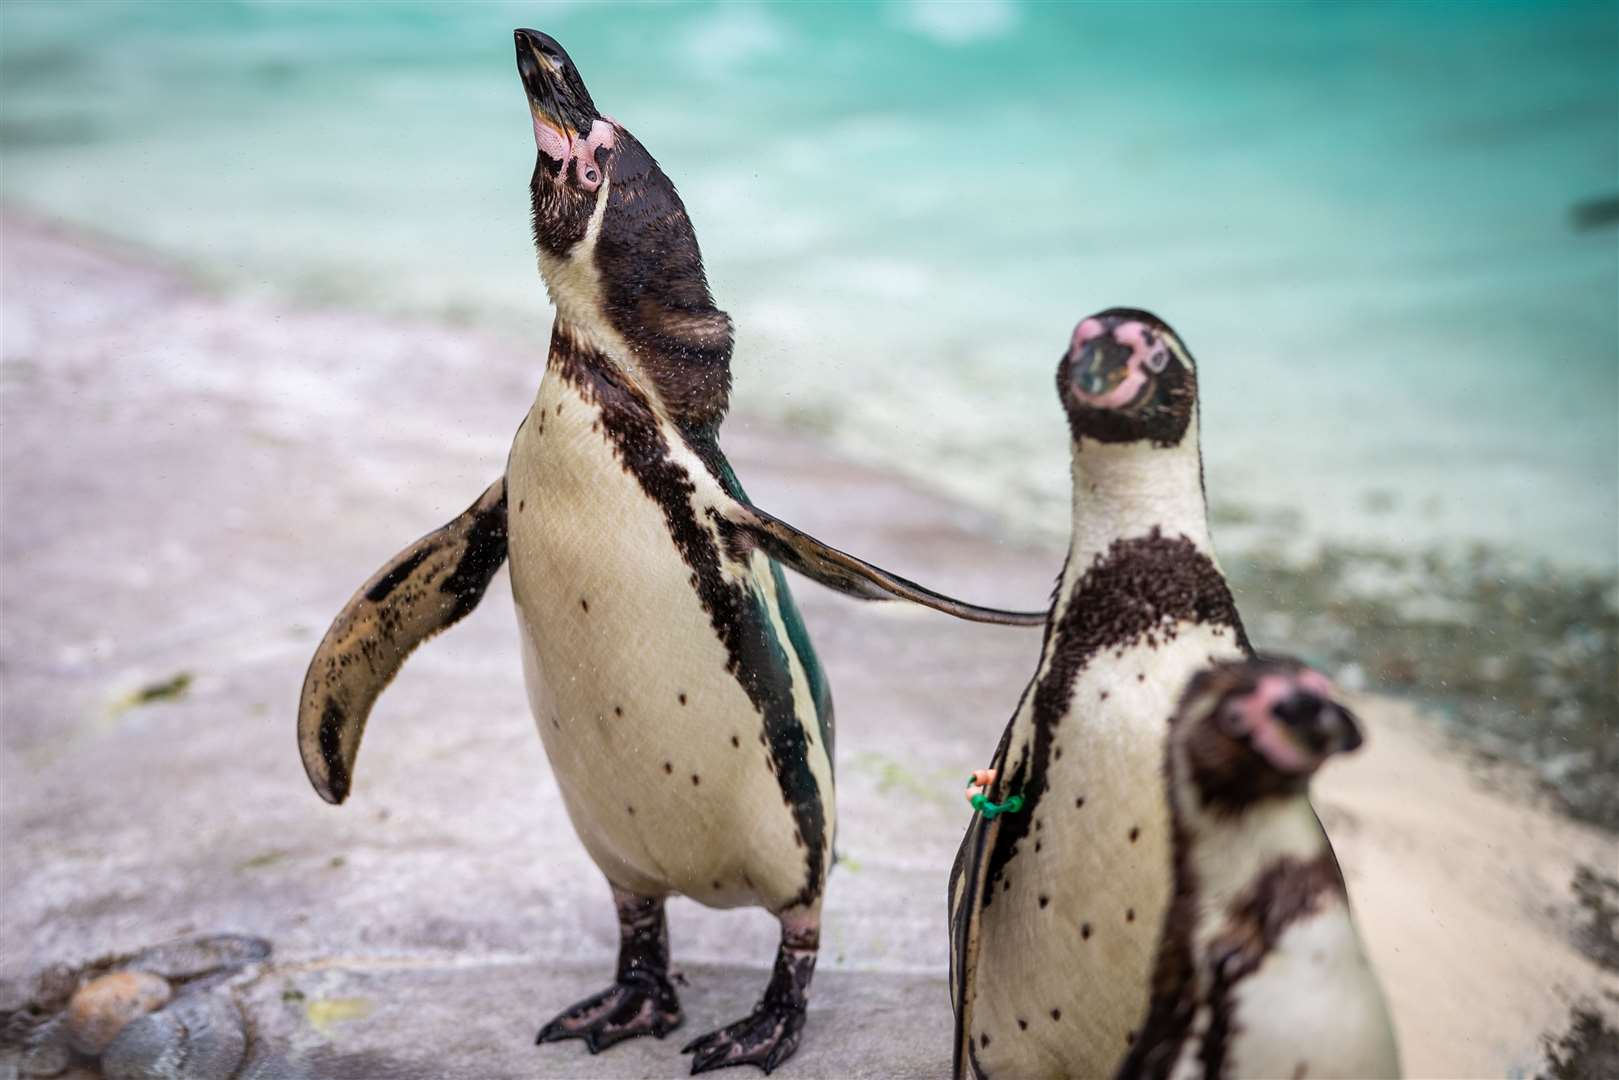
x: 199, y: 1037
x: 194, y: 957
x: 102, y: 1007
x: 46, y: 1051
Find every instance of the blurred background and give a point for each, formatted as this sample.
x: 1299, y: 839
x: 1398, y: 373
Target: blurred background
x: 1360, y: 217
x: 271, y: 311
x: 1387, y: 231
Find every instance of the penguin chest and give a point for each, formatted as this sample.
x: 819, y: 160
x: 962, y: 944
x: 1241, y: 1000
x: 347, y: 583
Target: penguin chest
x: 1312, y: 1008
x: 660, y: 754
x: 1069, y: 936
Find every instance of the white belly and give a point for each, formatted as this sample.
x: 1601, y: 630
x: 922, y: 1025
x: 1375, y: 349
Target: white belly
x: 657, y: 749
x: 1313, y: 1008
x: 1103, y: 869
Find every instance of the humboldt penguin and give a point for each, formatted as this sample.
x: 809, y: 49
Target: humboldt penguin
x: 1259, y: 970
x: 1063, y: 878
x: 685, y: 715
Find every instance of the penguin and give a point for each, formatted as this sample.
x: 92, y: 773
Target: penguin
x: 1063, y: 878
x: 1259, y: 970
x: 687, y: 720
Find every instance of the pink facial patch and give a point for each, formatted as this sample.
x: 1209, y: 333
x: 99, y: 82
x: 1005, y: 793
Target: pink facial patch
x: 1087, y: 330
x: 575, y: 153
x: 1255, y: 715
x: 1148, y: 354
x: 586, y: 171
x: 552, y: 143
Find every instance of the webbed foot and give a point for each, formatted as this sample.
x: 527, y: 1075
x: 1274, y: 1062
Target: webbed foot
x: 769, y: 1035
x: 765, y: 1038
x: 640, y: 1003
x: 641, y: 1000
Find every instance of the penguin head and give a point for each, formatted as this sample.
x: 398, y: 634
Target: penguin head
x: 1252, y: 729
x: 575, y: 144
x: 1126, y: 377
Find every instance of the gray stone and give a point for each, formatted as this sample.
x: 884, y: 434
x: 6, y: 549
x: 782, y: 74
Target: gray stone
x: 45, y: 1050
x: 199, y: 1037
x: 191, y: 958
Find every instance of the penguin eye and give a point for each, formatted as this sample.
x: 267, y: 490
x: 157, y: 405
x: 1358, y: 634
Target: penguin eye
x: 590, y: 175
x: 1157, y: 361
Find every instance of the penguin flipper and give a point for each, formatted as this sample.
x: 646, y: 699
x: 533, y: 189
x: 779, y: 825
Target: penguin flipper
x: 844, y: 573
x: 424, y: 589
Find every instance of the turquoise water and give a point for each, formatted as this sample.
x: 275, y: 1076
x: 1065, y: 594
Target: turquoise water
x: 1357, y: 216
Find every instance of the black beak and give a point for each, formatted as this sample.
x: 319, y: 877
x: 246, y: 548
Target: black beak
x: 552, y: 82
x: 1320, y: 726
x: 1101, y: 364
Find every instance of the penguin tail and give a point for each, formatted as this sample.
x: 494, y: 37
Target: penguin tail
x: 853, y: 576
x: 426, y: 588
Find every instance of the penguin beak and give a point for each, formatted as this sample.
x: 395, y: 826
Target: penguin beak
x: 1101, y: 365
x: 556, y: 95
x: 1319, y: 726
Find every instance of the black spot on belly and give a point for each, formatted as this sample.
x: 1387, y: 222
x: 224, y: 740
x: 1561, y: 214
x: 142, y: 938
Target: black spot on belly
x: 738, y: 615
x: 695, y: 779
x: 668, y: 767
x: 1022, y: 1024
x: 618, y: 710
x: 1044, y: 900
x: 1056, y: 1014
x: 1079, y: 802
x: 1134, y: 834
x: 1129, y: 914
x: 631, y: 809
x: 736, y: 742
x: 520, y: 504
x: 683, y: 697
x: 716, y: 885
x: 983, y: 1039
x: 584, y: 605
x: 1084, y: 931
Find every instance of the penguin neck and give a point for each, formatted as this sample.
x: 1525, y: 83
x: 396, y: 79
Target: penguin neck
x: 582, y: 330
x: 1226, y: 849
x: 583, y: 349
x: 1127, y: 490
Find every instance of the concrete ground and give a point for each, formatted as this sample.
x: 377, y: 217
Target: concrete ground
x: 194, y: 486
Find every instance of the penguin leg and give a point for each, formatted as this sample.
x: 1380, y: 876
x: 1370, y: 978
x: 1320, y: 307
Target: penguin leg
x: 769, y: 1035
x: 641, y: 1000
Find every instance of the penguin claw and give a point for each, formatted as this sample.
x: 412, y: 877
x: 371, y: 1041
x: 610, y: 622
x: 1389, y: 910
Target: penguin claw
x: 765, y: 1038
x: 632, y: 1007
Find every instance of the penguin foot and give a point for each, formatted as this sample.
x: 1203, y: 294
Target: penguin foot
x: 640, y: 1003
x: 766, y: 1038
